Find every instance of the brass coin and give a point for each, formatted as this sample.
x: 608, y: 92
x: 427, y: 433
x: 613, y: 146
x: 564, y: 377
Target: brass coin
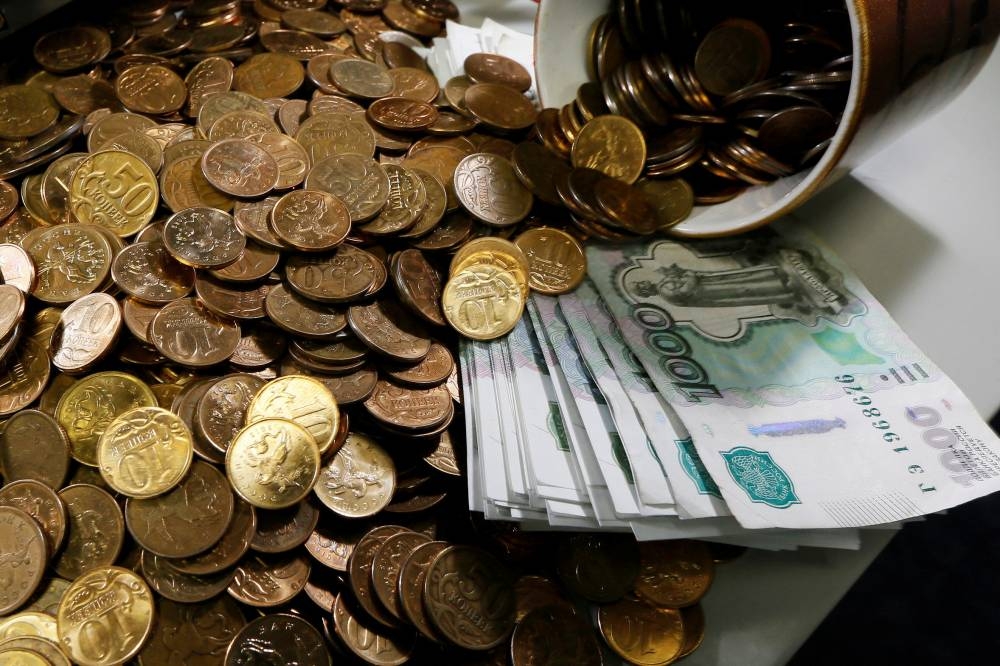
x: 462, y: 580
x: 282, y: 530
x: 55, y: 185
x: 240, y: 168
x: 32, y: 624
x: 273, y: 463
x: 433, y: 371
x: 483, y: 302
x: 387, y: 564
x: 311, y: 220
x: 269, y: 75
x: 46, y: 461
x: 400, y: 114
x: 360, y: 78
x: 198, y: 647
x: 138, y: 143
x: 409, y: 409
x: 152, y: 89
x: 24, y: 544
x: 674, y: 574
x: 187, y: 333
x: 328, y: 133
x: 538, y: 168
x: 23, y: 377
x: 358, y: 181
x: 267, y: 581
x: 349, y: 388
x: 418, y: 285
x: 613, y: 145
x: 203, y: 238
x: 494, y: 68
x: 88, y: 407
x: 556, y: 261
x: 253, y: 219
x: 301, y: 316
x: 187, y: 520
x: 359, y: 480
x: 48, y: 596
x: 112, y: 631
x: 222, y: 409
x: 289, y: 637
x: 642, y: 634
x: 149, y: 273
x: 296, y: 43
x: 291, y: 158
x: 216, y: 106
x: 175, y: 585
x: 233, y: 545
x: 500, y: 107
x: 321, y: 24
x: 95, y: 531
x: 86, y: 333
x: 241, y: 124
x: 184, y: 186
x: 400, y: 17
x: 437, y: 202
x: 555, y: 634
x: 115, y: 190
x: 71, y: 261
x: 488, y: 188
x: 407, y: 199
x: 359, y: 568
x: 386, y: 329
x: 115, y: 124
x: 672, y: 200
x: 302, y: 400
x: 244, y: 302
x: 73, y: 48
x: 145, y: 452
x: 12, y: 303
x: 345, y: 275
x: 27, y: 111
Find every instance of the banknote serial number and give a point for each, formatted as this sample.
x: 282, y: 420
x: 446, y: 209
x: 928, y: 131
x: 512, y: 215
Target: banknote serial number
x: 859, y: 398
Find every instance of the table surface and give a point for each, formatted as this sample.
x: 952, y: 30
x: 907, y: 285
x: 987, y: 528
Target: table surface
x: 918, y: 225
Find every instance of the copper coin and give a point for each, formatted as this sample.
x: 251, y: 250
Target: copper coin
x: 462, y: 580
x: 298, y: 44
x: 625, y: 206
x: 674, y: 574
x: 301, y: 316
x: 437, y: 202
x: 407, y: 198
x: 71, y: 261
x: 255, y: 263
x: 95, y: 531
x: 289, y: 638
x: 41, y: 503
x: 401, y: 114
x: 266, y: 75
x: 360, y: 78
x: 555, y: 634
x: 199, y: 647
x: 366, y: 639
x: 291, y: 114
x: 73, y: 48
x: 345, y: 275
x: 266, y: 581
x: 186, y: 406
x: 442, y: 458
x: 359, y: 480
x: 599, y: 568
x: 148, y: 272
x: 411, y: 586
x: 418, y: 285
x: 331, y: 546
x: 453, y: 230
x: 488, y: 188
x: 253, y: 219
x: 386, y: 329
x: 732, y: 55
x: 188, y: 333
x: 240, y: 168
x: 311, y: 220
x: 24, y: 544
x: 410, y: 409
x: 238, y: 301
x: 353, y: 387
x: 233, y: 545
x: 359, y: 568
x: 494, y: 68
x: 433, y: 371
x: 291, y: 158
x: 47, y: 460
x: 321, y: 24
x: 344, y: 351
x: 12, y: 303
x: 500, y: 107
x: 222, y: 409
x: 401, y: 18
x: 338, y: 132
x: 440, y: 161
x: 358, y: 181
x: 86, y: 333
x: 532, y: 592
x: 538, y: 168
x: 398, y: 54
x: 186, y: 521
x: 672, y: 200
x: 386, y: 565
x: 436, y: 9
x: 181, y: 587
x: 281, y: 530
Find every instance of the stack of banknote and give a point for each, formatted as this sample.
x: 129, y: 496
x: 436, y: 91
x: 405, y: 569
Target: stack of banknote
x: 747, y: 390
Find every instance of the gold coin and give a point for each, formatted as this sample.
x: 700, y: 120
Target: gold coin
x: 19, y: 657
x: 26, y: 111
x: 483, y: 302
x: 499, y: 259
x: 269, y: 75
x: 303, y: 400
x: 71, y: 261
x: 29, y: 623
x: 89, y: 406
x: 184, y: 186
x: 613, y: 145
x: 556, y: 262
x: 642, y: 634
x: 145, y: 452
x: 151, y: 89
x: 273, y: 463
x: 105, y: 617
x: 359, y: 481
x: 488, y: 244
x: 115, y: 190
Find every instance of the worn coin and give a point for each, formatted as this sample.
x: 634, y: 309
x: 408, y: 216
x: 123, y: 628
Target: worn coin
x: 495, y: 68
x: 149, y: 273
x: 500, y: 107
x: 358, y: 181
x: 273, y: 463
x: 265, y: 75
x: 359, y: 568
x: 72, y: 48
x: 46, y: 461
x: 282, y: 530
x: 24, y: 547
x: 28, y: 111
x: 433, y: 371
x: 344, y: 275
x: 240, y: 168
x: 71, y: 261
x: 233, y: 545
x: 212, y: 75
x: 175, y: 585
x: 386, y: 566
x: 301, y: 316
x: 372, y: 643
x: 180, y: 636
x: 386, y: 328
x: 599, y: 568
x: 32, y: 624
x: 41, y: 503
x: 671, y: 200
x: 332, y: 546
x: 359, y: 480
x: 95, y: 531
x: 222, y: 409
x: 360, y: 78
x: 488, y: 188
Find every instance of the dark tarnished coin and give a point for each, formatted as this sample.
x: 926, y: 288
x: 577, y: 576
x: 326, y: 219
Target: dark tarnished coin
x: 674, y: 574
x: 281, y: 530
x: 367, y: 640
x: 410, y: 409
x: 192, y: 634
x: 386, y: 566
x: 301, y: 316
x: 253, y: 219
x: 186, y: 521
x: 268, y: 581
x: 203, y: 238
x: 310, y: 220
x: 151, y: 89
x: 407, y: 198
x: 464, y: 582
x: 494, y: 68
x: 625, y: 206
x: 672, y: 200
x: 488, y: 188
x: 443, y: 459
x: 149, y: 273
x: 188, y: 333
x: 599, y: 568
x: 283, y: 639
x: 223, y: 408
x: 268, y: 75
x: 22, y: 545
x: 538, y: 168
x: 401, y: 114
x: 555, y: 635
x: 433, y: 371
x: 71, y: 261
x: 500, y: 107
x: 733, y: 55
x: 352, y: 387
x: 28, y: 111
x: 411, y: 586
x: 233, y: 545
x: 359, y: 568
x: 389, y: 331
x: 255, y: 263
x: 240, y: 168
x: 174, y: 585
x: 95, y: 531
x: 71, y: 49
x: 345, y: 275
x: 418, y: 285
x: 41, y: 503
x: 332, y: 546
x: 401, y: 17
x: 47, y: 460
x: 533, y: 592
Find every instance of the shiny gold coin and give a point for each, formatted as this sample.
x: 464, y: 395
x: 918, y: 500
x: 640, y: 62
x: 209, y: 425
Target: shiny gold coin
x: 489, y: 245
x: 301, y: 399
x: 613, y: 145
x: 556, y: 261
x: 273, y: 463
x: 27, y: 111
x: 674, y: 574
x: 483, y: 302
x: 28, y: 623
x: 145, y: 452
x: 89, y: 406
x: 359, y: 481
x: 642, y: 634
x: 115, y: 190
x: 105, y: 617
x: 22, y: 657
